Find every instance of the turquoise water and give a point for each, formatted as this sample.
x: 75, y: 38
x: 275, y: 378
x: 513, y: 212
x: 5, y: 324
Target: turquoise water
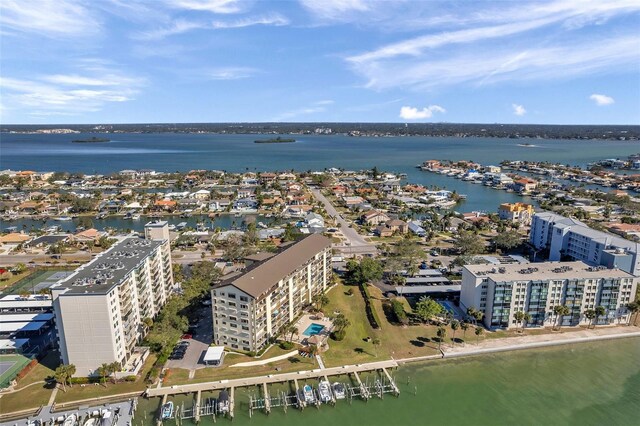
x: 313, y: 329
x: 586, y: 384
x: 237, y: 153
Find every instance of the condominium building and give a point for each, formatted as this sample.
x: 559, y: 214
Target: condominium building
x: 569, y: 238
x: 101, y: 307
x: 516, y: 212
x: 259, y: 302
x: 536, y: 288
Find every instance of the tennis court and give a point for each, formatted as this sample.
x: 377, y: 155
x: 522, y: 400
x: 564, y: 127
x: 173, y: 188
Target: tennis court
x: 10, y: 366
x: 37, y: 281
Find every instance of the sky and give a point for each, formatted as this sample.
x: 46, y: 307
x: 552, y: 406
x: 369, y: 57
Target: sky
x: 169, y: 61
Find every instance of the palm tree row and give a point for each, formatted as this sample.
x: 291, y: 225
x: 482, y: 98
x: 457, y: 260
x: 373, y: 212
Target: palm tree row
x: 63, y: 373
x: 108, y: 369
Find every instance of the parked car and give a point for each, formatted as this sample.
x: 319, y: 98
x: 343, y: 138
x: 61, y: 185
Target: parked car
x: 187, y: 336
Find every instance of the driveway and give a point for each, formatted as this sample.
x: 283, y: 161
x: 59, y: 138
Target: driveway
x: 197, y: 345
x: 356, y: 242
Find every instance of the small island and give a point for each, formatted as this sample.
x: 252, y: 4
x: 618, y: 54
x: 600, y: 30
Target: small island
x: 275, y: 140
x: 91, y: 140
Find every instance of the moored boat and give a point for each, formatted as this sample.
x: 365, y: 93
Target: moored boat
x: 309, y: 396
x: 339, y: 390
x: 325, y: 391
x: 167, y: 410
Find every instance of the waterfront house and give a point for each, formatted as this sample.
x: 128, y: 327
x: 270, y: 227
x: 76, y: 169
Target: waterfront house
x: 524, y: 185
x: 166, y: 205
x: 218, y: 205
x: 373, y: 218
x: 201, y: 195
x: 516, y: 212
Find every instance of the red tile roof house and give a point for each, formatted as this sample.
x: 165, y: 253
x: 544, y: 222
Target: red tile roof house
x: 525, y: 185
x: 373, y: 217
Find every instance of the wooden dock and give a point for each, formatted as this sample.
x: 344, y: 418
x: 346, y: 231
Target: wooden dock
x: 384, y: 383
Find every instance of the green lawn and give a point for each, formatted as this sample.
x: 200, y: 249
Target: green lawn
x: 78, y: 392
x: 14, y: 279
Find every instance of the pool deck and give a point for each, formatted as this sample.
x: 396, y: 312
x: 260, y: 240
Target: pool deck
x: 306, y: 321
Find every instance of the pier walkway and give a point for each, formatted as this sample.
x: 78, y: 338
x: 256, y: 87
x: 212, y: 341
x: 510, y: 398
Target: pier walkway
x: 272, y: 378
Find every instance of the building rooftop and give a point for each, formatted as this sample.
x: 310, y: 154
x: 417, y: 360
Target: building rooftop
x: 260, y: 277
x: 109, y: 268
x: 544, y: 271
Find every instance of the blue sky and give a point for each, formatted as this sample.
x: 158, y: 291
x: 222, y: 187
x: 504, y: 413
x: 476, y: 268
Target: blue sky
x: 127, y: 61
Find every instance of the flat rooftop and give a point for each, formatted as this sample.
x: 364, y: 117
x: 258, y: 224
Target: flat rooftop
x: 544, y: 271
x: 108, y: 269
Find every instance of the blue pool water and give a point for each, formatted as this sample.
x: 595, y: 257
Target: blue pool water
x: 313, y: 329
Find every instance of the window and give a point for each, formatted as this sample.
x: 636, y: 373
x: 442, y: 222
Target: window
x: 244, y: 299
x: 231, y: 295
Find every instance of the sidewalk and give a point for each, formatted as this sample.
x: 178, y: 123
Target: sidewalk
x: 265, y: 361
x: 530, y: 341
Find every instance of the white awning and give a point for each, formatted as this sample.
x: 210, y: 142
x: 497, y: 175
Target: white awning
x: 6, y: 344
x: 214, y: 353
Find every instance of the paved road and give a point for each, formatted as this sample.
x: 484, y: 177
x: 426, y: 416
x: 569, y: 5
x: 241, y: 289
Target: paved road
x: 12, y: 259
x: 357, y: 243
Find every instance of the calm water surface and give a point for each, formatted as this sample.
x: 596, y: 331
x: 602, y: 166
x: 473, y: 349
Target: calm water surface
x: 237, y: 153
x: 588, y: 384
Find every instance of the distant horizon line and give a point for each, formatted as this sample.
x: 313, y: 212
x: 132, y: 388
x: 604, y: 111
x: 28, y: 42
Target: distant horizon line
x: 307, y: 123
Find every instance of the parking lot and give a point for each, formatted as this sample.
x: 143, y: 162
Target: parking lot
x: 198, y: 344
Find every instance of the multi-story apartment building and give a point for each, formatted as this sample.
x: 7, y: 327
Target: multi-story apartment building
x: 258, y: 303
x: 570, y: 238
x: 501, y: 291
x: 101, y: 307
x: 516, y: 212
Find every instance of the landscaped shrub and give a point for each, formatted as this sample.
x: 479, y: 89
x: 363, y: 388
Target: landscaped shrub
x: 372, y: 316
x: 131, y: 378
x: 338, y: 335
x: 398, y: 311
x: 286, y: 345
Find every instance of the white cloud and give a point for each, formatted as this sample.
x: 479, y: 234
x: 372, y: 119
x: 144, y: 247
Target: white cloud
x: 214, y: 6
x: 479, y: 66
x: 316, y: 107
x: 59, y: 18
x: 273, y: 19
x: 181, y: 26
x: 602, y: 100
x: 518, y: 110
x: 335, y: 9
x: 535, y: 40
x: 61, y: 94
x: 229, y: 73
x: 412, y: 113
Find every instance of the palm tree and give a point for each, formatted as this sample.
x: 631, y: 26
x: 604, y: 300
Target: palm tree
x: 560, y: 311
x: 441, y: 333
x: 320, y: 300
x: 455, y: 325
x: 478, y: 332
x: 292, y: 330
x: 63, y: 373
x: 464, y: 326
x: 114, y: 367
x: 519, y: 317
x: 600, y: 311
x: 590, y: 314
x: 634, y: 309
x: 103, y: 371
x: 526, y: 320
x: 376, y: 342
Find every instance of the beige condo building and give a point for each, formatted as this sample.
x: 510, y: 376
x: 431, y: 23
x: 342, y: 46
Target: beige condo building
x: 260, y: 301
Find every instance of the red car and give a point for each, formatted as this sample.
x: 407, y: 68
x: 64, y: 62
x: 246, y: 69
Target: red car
x: 186, y: 336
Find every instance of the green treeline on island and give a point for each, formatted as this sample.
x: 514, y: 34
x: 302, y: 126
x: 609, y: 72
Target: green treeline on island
x: 275, y: 140
x: 93, y: 139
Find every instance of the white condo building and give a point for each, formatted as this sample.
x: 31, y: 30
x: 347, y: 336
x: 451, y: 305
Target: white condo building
x: 567, y: 237
x: 501, y: 291
x: 260, y: 301
x: 100, y: 308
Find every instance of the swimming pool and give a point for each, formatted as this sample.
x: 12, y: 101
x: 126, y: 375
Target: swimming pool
x: 314, y: 328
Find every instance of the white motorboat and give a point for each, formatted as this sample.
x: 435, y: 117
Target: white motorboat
x: 339, y: 391
x: 324, y: 388
x: 70, y: 420
x: 167, y: 410
x: 309, y: 396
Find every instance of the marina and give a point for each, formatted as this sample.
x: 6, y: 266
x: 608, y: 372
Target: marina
x: 113, y: 414
x: 297, y: 390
